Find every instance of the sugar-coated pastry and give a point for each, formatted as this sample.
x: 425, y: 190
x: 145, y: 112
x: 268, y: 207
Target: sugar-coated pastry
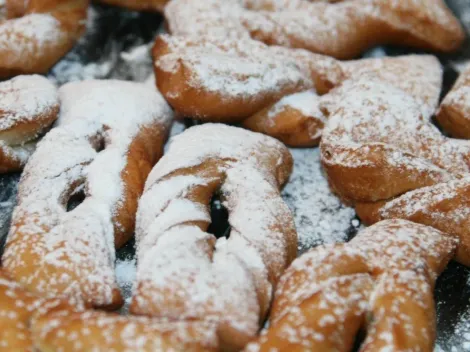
x: 35, y: 34
x: 75, y: 331
x: 261, y: 63
x: 28, y: 107
x: 454, y: 112
x: 184, y: 272
x: 381, y: 282
x: 271, y: 89
x: 106, y: 140
x: 342, y: 29
x: 381, y: 153
x: 17, y: 310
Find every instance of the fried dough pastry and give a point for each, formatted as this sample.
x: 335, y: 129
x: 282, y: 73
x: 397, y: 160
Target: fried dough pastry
x: 342, y: 29
x: 184, y: 272
x: 273, y: 90
x: 35, y: 34
x: 381, y: 153
x: 28, y: 107
x: 108, y: 137
x: 454, y: 112
x: 139, y: 5
x: 17, y: 308
x: 69, y: 330
x: 382, y: 282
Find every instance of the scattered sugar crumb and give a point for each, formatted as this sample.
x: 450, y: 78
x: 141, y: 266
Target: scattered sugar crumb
x: 125, y: 276
x: 319, y: 215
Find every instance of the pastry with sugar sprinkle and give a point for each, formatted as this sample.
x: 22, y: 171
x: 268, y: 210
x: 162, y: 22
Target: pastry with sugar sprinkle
x: 273, y: 90
x: 28, y: 107
x: 381, y: 153
x: 35, y: 34
x: 74, y: 331
x: 108, y: 137
x: 382, y: 282
x: 341, y: 28
x: 17, y: 310
x: 454, y: 112
x: 185, y: 273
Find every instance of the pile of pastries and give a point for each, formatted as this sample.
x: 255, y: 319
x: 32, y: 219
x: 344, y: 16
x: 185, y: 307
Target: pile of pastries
x: 285, y: 73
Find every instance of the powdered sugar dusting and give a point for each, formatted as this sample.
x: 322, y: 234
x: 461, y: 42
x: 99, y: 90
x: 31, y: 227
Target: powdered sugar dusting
x: 43, y: 233
x: 367, y: 112
x: 320, y: 217
x: 305, y: 102
x: 323, y: 27
x: 24, y: 98
x: 29, y: 36
x: 386, y: 271
x: 219, y: 280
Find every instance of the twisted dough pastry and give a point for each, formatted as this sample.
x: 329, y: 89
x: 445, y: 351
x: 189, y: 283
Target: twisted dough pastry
x: 454, y: 112
x: 108, y: 137
x: 381, y: 153
x: 382, y: 281
x: 28, y: 106
x: 139, y: 5
x: 244, y: 81
x: 184, y: 273
x: 70, y: 330
x: 17, y: 310
x: 342, y: 29
x: 35, y: 34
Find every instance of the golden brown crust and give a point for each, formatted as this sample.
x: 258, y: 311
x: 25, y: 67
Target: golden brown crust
x: 185, y: 273
x: 273, y: 88
x: 109, y: 135
x: 28, y: 107
x: 382, y: 154
x: 57, y: 26
x: 71, y: 330
x: 381, y: 281
x: 341, y: 29
x: 454, y: 112
x: 239, y: 60
x: 17, y: 310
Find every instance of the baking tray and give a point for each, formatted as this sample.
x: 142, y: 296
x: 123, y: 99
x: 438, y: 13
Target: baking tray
x: 116, y: 45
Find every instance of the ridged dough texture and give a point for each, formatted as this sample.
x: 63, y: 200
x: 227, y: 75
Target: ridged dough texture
x: 200, y: 293
x: 17, y: 311
x: 35, y: 34
x: 381, y: 282
x: 106, y: 140
x: 28, y: 107
x: 382, y: 154
x: 235, y: 61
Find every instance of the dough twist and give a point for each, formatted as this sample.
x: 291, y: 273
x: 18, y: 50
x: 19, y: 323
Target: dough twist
x: 273, y: 90
x: 381, y: 281
x: 381, y: 153
x: 108, y: 137
x: 71, y: 330
x: 342, y: 29
x: 35, y: 34
x: 28, y: 106
x: 184, y: 272
x: 17, y: 310
x: 454, y: 112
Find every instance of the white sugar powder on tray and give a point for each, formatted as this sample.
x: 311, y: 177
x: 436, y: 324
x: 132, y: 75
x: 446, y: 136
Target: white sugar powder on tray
x: 125, y: 277
x: 319, y: 215
x: 71, y: 67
